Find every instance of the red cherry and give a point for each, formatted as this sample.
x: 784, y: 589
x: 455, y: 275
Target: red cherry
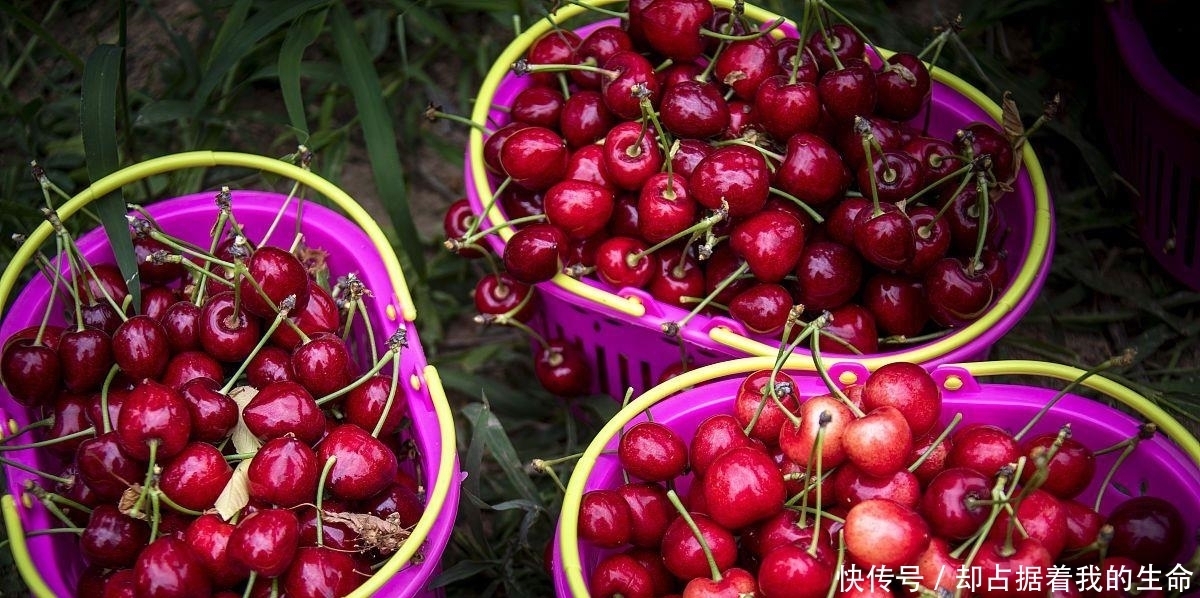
x: 584, y: 119
x: 672, y: 27
x: 631, y: 155
x: 665, y: 207
x: 364, y: 406
x: 949, y: 506
x: 754, y: 403
x: 196, y: 476
x: 320, y: 314
x: 829, y: 274
x: 153, y: 413
x: 620, y: 575
x: 105, y: 466
x: 284, y: 473
x: 763, y: 308
x: 166, y: 568
x: 848, y: 91
x: 790, y: 570
x: 734, y: 174
x: 797, y: 442
x: 632, y: 70
x: 812, y: 171
x: 536, y: 253
x: 785, y: 108
x: 955, y: 293
x: 771, y: 242
x: 903, y: 86
x: 618, y: 263
x: 881, y: 532
x: 498, y: 294
x: 537, y: 105
x: 839, y: 39
x: 1069, y: 471
x: 534, y: 157
x: 650, y: 512
x: 880, y: 442
x: 679, y: 279
x: 279, y: 274
x: 715, y: 435
x: 652, y: 452
x: 111, y: 538
x: 270, y: 364
x: 604, y: 518
x: 578, y: 208
x: 852, y: 486
x: 282, y: 408
x: 562, y: 369
x: 265, y: 541
x: 323, y: 365
x: 32, y: 374
x: 909, y: 388
x: 743, y: 486
x: 213, y: 414
x: 744, y: 64
x: 317, y: 571
x: 224, y: 333
x: 851, y: 329
x: 208, y: 538
x: 1148, y: 529
x: 139, y: 347
x: 694, y: 109
x: 984, y: 448
x: 365, y: 466
x: 190, y: 365
x: 681, y: 551
x: 595, y: 50
x: 181, y: 322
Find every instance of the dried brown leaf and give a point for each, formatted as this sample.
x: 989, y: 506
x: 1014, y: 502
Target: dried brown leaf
x: 385, y: 535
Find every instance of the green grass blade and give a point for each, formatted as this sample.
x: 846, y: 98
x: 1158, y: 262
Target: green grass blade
x: 492, y: 434
x: 230, y: 24
x: 301, y: 34
x: 379, y: 134
x: 36, y: 29
x: 266, y: 21
x: 98, y: 117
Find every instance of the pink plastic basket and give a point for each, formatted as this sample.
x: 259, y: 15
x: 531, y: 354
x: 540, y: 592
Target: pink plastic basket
x: 621, y: 329
x: 51, y: 564
x: 1167, y: 466
x: 1153, y: 124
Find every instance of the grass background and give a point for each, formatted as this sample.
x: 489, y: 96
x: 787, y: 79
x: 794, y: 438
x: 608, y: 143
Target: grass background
x: 91, y: 86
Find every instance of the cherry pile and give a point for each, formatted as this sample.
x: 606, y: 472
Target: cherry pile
x: 688, y: 152
x: 869, y: 490
x: 238, y: 435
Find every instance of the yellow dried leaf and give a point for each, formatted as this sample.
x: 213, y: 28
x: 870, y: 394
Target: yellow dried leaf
x: 236, y: 493
x: 244, y: 441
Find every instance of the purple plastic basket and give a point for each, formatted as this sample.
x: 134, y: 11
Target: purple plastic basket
x: 1168, y: 465
x: 56, y: 558
x: 621, y: 329
x: 1153, y: 125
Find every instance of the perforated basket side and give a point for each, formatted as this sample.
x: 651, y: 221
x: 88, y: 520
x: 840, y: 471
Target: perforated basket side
x: 350, y: 250
x: 1153, y: 127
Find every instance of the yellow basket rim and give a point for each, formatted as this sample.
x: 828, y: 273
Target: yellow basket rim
x: 568, y: 557
x: 447, y: 458
x: 1019, y: 285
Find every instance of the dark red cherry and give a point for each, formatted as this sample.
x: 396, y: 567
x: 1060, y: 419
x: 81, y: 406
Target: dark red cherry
x: 323, y: 365
x: 956, y: 294
x: 279, y: 274
x: 829, y: 274
x: 196, y: 476
x: 153, y: 414
x: 938, y: 161
x: 631, y: 155
x: 584, y: 119
x: 634, y: 71
x: 932, y: 237
x: 851, y: 330
x: 270, y: 364
x: 785, y: 108
x: 111, y: 538
x: 283, y: 408
x: 534, y: 157
x: 364, y: 406
x: 621, y: 263
x: 32, y: 373
x: 156, y: 300
x: 672, y: 27
x: 166, y: 568
x: 536, y: 253
x: 763, y: 307
x: 139, y: 347
x: 213, y: 414
x: 771, y: 242
x: 578, y: 208
x: 284, y: 473
x: 897, y: 302
x: 679, y: 280
x: 365, y: 466
x: 812, y: 170
x: 744, y: 64
x: 694, y: 109
x: 840, y: 40
x: 498, y: 294
x: 181, y: 321
x: 318, y: 571
x: 208, y: 537
x: 595, y: 49
x: 903, y: 86
x: 557, y: 46
x: 265, y: 541
x: 1148, y: 529
x: 986, y: 139
x: 885, y: 238
x: 537, y: 105
x: 225, y: 333
x: 897, y: 176
x: 562, y: 368
x: 733, y: 174
x: 190, y: 365
x: 105, y: 467
x: 848, y: 91
x: 665, y: 207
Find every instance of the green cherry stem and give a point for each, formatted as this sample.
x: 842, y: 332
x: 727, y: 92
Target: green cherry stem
x: 397, y: 341
x: 41, y: 423
x: 37, y: 472
x: 815, y: 348
x: 1145, y: 432
x: 691, y: 523
x: 328, y: 467
x: 1123, y: 359
x: 936, y: 443
x: 106, y: 418
x: 822, y: 421
x: 812, y: 213
x: 285, y: 306
x: 672, y: 328
x: 391, y: 397
x: 90, y: 431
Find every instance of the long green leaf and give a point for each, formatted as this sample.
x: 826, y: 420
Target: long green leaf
x: 231, y: 23
x: 98, y: 117
x: 301, y: 34
x: 36, y: 28
x: 502, y: 449
x: 380, y: 137
x: 268, y: 20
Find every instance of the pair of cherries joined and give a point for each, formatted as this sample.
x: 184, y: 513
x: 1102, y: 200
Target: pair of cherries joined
x: 692, y: 153
x: 237, y: 435
x: 869, y: 489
